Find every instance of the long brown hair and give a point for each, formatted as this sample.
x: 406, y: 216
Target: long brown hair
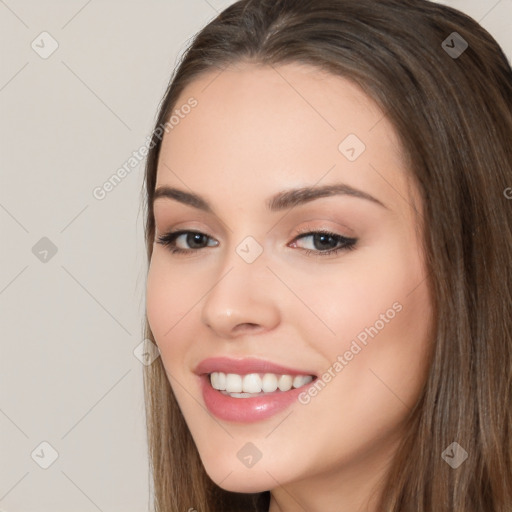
x: 453, y: 115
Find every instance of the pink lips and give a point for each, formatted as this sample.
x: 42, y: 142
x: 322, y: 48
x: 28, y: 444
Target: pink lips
x: 245, y: 366
x: 245, y: 410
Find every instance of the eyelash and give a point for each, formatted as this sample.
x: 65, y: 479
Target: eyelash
x: 348, y: 244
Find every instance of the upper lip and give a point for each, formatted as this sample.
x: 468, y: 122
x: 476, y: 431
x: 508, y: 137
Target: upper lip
x: 245, y: 366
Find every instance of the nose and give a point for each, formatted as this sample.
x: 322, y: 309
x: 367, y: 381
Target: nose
x: 243, y: 299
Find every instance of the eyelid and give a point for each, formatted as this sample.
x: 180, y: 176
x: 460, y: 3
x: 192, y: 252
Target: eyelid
x: 308, y: 228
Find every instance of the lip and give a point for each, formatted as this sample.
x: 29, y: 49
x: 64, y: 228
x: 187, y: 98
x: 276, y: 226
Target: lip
x: 245, y: 366
x: 246, y: 410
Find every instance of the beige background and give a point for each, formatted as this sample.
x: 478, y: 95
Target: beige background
x: 70, y: 323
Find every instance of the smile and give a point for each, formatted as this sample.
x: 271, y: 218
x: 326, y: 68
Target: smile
x: 249, y: 389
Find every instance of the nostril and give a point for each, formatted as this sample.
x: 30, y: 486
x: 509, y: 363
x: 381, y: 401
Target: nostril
x: 247, y: 326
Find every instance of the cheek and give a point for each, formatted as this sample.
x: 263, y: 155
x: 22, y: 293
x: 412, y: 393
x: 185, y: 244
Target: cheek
x: 158, y: 302
x: 392, y: 365
x: 370, y: 391
x: 168, y: 302
x: 380, y: 311
x: 367, y: 288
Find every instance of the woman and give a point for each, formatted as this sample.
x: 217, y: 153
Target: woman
x: 329, y: 236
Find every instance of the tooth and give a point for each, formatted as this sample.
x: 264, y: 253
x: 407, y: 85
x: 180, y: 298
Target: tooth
x: 251, y: 383
x: 218, y: 381
x: 222, y: 380
x: 214, y: 379
x: 300, y: 380
x: 269, y: 383
x: 233, y: 383
x: 285, y: 382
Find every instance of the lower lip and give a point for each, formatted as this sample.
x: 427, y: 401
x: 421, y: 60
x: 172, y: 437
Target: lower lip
x: 246, y: 410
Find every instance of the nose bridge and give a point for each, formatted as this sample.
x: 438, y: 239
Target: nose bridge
x: 240, y: 293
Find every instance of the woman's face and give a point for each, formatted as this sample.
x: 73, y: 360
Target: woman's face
x: 256, y: 285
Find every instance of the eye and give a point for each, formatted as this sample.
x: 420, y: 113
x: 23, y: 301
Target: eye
x: 327, y: 243
x: 324, y: 242
x: 192, y: 238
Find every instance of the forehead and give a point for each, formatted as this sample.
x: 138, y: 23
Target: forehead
x: 262, y: 128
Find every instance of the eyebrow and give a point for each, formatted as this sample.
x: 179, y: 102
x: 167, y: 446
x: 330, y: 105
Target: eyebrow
x: 280, y: 201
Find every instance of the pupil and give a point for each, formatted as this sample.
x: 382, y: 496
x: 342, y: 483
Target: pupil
x: 193, y: 238
x: 322, y: 238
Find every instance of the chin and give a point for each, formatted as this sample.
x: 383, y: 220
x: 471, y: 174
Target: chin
x: 240, y: 480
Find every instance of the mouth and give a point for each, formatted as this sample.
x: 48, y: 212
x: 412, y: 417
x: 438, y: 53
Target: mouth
x: 249, y: 390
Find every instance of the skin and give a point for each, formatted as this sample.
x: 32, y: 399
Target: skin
x: 250, y: 136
